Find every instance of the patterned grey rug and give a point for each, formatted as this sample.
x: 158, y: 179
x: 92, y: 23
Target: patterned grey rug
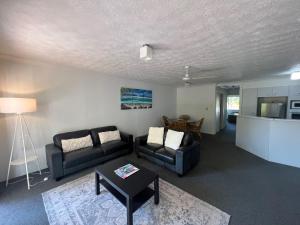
x: 75, y: 203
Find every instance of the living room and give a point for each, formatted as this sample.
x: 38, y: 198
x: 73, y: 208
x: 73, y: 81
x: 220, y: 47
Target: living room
x: 111, y: 71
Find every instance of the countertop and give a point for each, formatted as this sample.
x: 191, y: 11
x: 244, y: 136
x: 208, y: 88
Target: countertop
x: 270, y: 119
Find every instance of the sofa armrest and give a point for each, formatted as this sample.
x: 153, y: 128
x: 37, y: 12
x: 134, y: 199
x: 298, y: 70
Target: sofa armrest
x: 141, y: 140
x: 54, y: 157
x: 128, y: 138
x: 187, y: 157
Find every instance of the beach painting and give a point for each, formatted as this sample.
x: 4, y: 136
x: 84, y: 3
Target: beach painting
x: 135, y: 98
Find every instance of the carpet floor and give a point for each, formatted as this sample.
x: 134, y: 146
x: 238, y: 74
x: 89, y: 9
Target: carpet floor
x: 253, y: 191
x: 76, y: 203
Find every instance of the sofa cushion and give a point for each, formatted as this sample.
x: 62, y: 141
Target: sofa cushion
x: 75, y: 144
x: 166, y: 154
x: 96, y: 131
x: 81, y: 156
x: 108, y: 136
x: 149, y: 148
x: 173, y: 139
x: 156, y: 135
x: 68, y: 135
x: 113, y: 146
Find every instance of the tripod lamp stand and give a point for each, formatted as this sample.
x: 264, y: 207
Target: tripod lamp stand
x: 19, y: 106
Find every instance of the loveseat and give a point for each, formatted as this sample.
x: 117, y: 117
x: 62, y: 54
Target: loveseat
x: 179, y: 161
x: 63, y: 163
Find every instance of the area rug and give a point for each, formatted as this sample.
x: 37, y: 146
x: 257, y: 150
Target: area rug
x: 75, y: 203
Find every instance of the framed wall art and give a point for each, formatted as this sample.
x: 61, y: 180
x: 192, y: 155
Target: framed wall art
x: 132, y: 98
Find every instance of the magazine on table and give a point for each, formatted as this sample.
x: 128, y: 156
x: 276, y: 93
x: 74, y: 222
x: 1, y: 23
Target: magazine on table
x: 126, y: 171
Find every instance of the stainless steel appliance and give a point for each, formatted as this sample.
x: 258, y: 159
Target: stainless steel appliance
x: 272, y: 107
x: 273, y: 110
x: 295, y: 105
x: 295, y: 116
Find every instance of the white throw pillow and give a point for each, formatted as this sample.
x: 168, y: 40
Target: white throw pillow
x: 173, y: 139
x: 108, y: 136
x: 73, y: 144
x: 156, y: 135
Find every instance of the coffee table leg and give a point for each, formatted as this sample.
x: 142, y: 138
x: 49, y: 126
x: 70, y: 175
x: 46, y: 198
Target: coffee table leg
x: 156, y: 191
x: 97, y: 183
x: 129, y: 212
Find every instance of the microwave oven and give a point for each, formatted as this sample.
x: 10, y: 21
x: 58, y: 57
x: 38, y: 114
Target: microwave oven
x: 295, y: 116
x: 295, y: 104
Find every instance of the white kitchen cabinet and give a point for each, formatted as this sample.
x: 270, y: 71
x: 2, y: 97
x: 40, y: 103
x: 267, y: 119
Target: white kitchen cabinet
x: 273, y: 91
x: 265, y: 92
x: 281, y: 91
x: 294, y: 92
x: 249, y: 101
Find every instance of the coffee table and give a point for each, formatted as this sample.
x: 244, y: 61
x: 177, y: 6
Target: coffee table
x: 133, y: 191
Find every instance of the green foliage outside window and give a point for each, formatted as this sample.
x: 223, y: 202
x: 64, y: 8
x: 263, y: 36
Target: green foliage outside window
x: 233, y: 103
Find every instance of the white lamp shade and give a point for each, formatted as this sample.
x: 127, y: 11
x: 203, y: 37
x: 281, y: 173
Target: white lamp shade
x: 17, y: 105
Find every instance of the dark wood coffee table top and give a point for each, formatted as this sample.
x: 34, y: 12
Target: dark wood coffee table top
x: 132, y: 185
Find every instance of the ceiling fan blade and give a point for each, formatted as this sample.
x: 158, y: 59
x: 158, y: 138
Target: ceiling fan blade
x: 283, y: 74
x: 208, y: 70
x: 206, y: 77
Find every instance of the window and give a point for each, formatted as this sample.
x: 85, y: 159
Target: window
x: 233, y: 103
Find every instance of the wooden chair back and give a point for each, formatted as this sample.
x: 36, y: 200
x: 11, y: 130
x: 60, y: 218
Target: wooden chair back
x: 196, y: 127
x: 165, y: 121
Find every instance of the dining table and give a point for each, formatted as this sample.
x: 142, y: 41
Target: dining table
x: 176, y: 119
x: 179, y: 126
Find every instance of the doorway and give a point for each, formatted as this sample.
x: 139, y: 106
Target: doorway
x: 222, y: 124
x: 227, y: 109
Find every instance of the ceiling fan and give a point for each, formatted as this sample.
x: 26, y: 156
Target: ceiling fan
x: 187, y: 76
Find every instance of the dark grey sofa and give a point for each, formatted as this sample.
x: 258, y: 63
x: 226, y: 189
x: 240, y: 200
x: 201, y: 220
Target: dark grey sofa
x: 61, y: 164
x: 179, y: 161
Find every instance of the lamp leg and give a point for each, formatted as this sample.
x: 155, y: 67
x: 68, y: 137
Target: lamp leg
x: 12, y: 150
x: 24, y: 150
x: 32, y: 145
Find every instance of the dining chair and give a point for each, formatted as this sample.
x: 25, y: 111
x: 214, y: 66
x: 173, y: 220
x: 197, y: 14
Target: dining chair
x: 165, y: 121
x: 195, y: 127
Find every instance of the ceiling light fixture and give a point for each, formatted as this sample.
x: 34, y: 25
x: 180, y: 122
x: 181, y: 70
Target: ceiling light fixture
x: 295, y: 75
x: 146, y: 52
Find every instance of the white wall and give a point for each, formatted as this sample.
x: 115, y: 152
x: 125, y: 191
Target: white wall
x: 221, y: 114
x: 218, y: 111
x: 260, y: 83
x: 285, y: 142
x: 249, y: 89
x: 71, y: 99
x: 253, y: 134
x: 249, y: 97
x: 275, y: 140
x: 286, y: 81
x: 198, y: 102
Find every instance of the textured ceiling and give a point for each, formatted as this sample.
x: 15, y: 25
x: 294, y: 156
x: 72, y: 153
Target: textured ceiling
x: 242, y: 39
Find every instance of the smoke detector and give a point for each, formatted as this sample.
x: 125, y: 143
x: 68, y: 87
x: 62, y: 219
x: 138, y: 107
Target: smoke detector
x: 146, y: 52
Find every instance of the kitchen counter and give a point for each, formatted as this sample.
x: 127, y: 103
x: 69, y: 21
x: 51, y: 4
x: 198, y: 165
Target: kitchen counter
x: 274, y: 119
x: 275, y: 140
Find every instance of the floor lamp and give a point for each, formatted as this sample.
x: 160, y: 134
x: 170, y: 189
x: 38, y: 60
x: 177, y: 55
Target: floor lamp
x: 19, y: 106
